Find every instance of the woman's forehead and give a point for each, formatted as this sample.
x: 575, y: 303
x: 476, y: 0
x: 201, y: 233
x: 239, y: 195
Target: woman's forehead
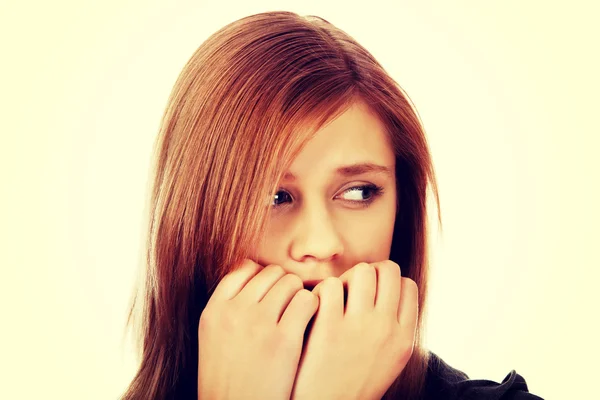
x: 355, y: 142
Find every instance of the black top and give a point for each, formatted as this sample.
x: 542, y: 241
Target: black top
x: 442, y: 382
x: 445, y: 382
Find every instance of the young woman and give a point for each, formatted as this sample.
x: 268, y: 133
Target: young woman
x: 287, y: 253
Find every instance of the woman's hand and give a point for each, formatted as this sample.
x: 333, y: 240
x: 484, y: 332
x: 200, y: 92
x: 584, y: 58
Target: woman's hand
x: 357, y: 353
x: 250, y: 334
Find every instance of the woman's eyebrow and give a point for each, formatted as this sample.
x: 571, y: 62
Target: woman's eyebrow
x: 352, y: 170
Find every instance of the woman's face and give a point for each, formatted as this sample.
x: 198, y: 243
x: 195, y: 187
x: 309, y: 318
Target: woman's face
x: 331, y: 210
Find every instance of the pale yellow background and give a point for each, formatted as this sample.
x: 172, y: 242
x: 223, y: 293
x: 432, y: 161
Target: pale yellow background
x: 508, y: 93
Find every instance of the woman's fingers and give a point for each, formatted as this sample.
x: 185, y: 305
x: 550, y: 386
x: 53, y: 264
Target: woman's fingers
x: 299, y: 311
x: 388, y: 287
x: 234, y: 282
x: 257, y: 288
x: 331, y: 299
x: 362, y: 288
x: 376, y: 287
x: 277, y: 299
x: 408, y: 309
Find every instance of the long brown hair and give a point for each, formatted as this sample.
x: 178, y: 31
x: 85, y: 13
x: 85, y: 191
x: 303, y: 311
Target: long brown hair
x: 242, y: 108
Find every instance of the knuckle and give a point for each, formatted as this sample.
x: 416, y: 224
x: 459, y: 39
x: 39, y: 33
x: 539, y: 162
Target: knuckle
x: 223, y: 318
x: 391, y: 265
x: 293, y: 281
x: 331, y: 283
x: 259, y: 329
x: 237, y: 312
x: 383, y: 333
x: 363, y: 266
x: 231, y: 315
x: 305, y: 296
x: 276, y: 269
x: 245, y: 263
x: 409, y: 283
x: 206, y: 318
x: 284, y: 339
x: 389, y: 331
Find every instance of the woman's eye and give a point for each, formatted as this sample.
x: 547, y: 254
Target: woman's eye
x: 363, y: 195
x: 280, y: 197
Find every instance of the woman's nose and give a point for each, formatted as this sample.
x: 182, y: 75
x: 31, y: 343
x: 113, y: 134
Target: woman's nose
x: 316, y: 236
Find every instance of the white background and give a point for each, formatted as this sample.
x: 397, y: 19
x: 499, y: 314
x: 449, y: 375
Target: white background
x: 508, y: 94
